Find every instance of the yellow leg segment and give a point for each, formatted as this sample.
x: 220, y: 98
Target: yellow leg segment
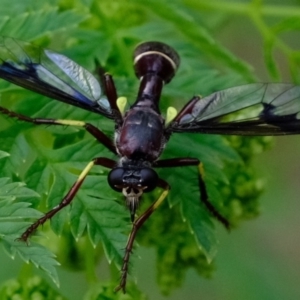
x: 160, y: 200
x: 70, y: 122
x: 86, y: 170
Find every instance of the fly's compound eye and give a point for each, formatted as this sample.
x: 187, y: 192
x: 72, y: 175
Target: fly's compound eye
x: 115, y: 179
x: 144, y: 178
x: 148, y: 179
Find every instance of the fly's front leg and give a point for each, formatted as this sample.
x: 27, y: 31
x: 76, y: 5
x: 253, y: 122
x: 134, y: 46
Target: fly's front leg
x: 102, y: 161
x: 137, y: 224
x: 186, y: 161
x: 110, y: 92
x: 94, y: 131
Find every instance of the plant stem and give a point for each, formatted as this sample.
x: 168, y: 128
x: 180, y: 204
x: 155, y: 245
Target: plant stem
x: 243, y: 8
x: 90, y: 261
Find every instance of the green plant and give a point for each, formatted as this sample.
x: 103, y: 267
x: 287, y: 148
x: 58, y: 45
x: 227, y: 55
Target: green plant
x: 50, y: 159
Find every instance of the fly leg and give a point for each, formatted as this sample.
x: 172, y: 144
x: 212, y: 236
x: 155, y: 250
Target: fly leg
x: 186, y: 161
x: 137, y: 224
x: 102, y: 161
x: 110, y: 92
x: 93, y: 130
x: 100, y: 136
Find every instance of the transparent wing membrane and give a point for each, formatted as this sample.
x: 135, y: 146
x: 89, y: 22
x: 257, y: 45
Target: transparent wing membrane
x: 253, y: 109
x: 51, y: 74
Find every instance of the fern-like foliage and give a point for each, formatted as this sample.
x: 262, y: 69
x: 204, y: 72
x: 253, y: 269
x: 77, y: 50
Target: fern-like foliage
x: 49, y: 159
x: 14, y: 218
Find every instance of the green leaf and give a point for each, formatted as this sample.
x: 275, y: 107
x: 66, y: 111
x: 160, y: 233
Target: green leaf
x: 13, y: 9
x: 52, y: 174
x: 29, y: 25
x: 54, y: 157
x: 270, y: 60
x: 29, y: 287
x: 91, y: 45
x: 103, y: 217
x: 213, y: 152
x: 3, y: 154
x: 105, y: 291
x: 200, y: 226
x: 40, y: 256
x: 14, y: 190
x: 288, y: 24
x: 181, y: 18
x: 13, y: 221
x: 50, y: 159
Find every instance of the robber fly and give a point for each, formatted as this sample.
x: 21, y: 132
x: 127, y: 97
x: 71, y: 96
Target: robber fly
x: 141, y: 132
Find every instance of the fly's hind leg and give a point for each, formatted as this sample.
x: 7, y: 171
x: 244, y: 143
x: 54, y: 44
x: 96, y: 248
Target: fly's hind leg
x: 187, y: 161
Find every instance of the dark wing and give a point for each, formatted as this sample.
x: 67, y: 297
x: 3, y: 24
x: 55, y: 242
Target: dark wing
x: 51, y: 74
x: 253, y: 109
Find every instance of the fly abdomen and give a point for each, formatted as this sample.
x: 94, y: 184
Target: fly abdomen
x: 155, y: 58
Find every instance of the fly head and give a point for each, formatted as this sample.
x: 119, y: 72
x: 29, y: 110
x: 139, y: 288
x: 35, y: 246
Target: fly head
x: 132, y: 182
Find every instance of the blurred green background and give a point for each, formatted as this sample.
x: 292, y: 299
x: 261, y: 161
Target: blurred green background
x: 261, y: 258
